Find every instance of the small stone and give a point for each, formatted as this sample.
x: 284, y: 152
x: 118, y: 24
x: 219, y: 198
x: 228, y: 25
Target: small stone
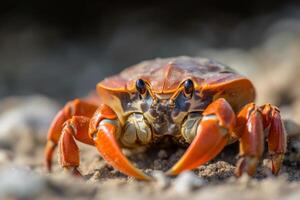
x: 157, y: 164
x: 31, y: 115
x: 244, y: 181
x: 162, y: 154
x: 95, y: 177
x: 19, y: 182
x: 161, y: 180
x: 296, y: 146
x: 187, y: 181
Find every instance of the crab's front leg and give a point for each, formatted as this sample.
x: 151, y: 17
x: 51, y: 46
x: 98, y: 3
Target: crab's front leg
x: 105, y: 130
x: 212, y: 134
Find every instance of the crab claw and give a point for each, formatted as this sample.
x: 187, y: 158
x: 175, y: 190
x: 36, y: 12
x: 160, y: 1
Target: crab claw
x: 209, y: 141
x: 105, y: 142
x: 212, y: 135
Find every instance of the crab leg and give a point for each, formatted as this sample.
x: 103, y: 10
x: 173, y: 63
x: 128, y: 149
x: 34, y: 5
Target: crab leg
x: 212, y: 135
x: 252, y: 122
x: 250, y: 128
x: 75, y: 128
x: 73, y: 108
x: 104, y: 129
x: 276, y: 137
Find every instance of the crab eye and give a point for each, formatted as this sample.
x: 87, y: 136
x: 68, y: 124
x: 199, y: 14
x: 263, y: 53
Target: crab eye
x: 141, y: 86
x: 188, y: 88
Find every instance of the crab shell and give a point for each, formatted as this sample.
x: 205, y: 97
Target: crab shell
x: 212, y: 80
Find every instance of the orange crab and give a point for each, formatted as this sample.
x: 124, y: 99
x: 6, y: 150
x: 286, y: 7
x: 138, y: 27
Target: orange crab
x: 194, y: 101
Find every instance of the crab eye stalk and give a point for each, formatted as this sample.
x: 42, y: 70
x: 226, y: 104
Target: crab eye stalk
x: 188, y: 88
x: 141, y: 86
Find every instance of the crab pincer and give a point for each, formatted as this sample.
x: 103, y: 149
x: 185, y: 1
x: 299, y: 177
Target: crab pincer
x: 104, y: 129
x: 213, y: 134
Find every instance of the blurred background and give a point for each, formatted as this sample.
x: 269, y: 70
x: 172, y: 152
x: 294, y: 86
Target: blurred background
x: 63, y: 48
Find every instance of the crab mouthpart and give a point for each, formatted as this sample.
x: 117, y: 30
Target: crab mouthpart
x: 161, y: 118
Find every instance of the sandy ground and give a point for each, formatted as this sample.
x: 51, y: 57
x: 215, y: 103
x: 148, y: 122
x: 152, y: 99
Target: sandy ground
x: 23, y: 176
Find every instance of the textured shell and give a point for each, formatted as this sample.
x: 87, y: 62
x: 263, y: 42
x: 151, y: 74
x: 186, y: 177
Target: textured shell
x: 212, y: 79
x: 165, y: 75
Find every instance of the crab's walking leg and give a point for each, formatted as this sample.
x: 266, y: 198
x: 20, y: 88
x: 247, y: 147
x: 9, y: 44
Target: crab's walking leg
x: 276, y: 137
x: 250, y: 128
x: 73, y: 108
x: 75, y: 128
x: 212, y: 135
x: 105, y: 130
x: 252, y: 123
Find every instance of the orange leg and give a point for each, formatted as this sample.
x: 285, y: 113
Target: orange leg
x: 252, y: 122
x: 105, y: 129
x: 73, y: 108
x: 213, y: 134
x: 75, y: 128
x: 276, y: 137
x: 250, y: 128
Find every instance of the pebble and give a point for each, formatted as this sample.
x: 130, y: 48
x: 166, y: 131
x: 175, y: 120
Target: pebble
x: 19, y: 182
x: 187, y: 181
x: 162, y: 154
x: 161, y: 179
x: 296, y: 146
x: 31, y: 115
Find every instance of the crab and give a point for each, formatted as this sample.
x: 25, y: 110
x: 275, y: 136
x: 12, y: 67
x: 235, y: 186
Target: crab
x: 194, y: 101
